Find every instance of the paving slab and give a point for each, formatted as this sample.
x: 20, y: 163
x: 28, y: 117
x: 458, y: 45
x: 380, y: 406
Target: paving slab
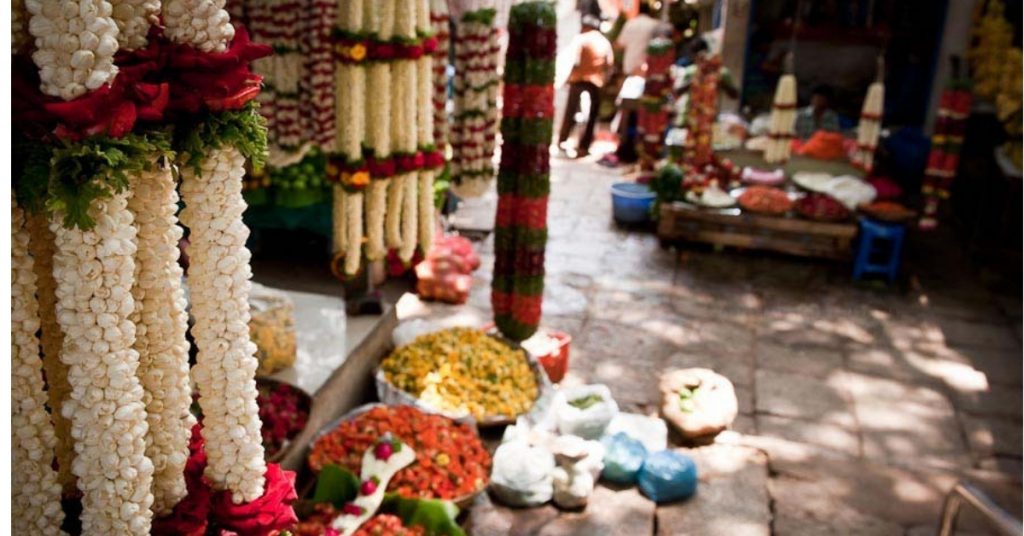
x: 731, y: 499
x: 809, y: 361
x: 822, y: 434
x: 797, y: 396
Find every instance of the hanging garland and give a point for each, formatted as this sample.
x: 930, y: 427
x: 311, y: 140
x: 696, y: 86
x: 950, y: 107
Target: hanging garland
x: 476, y: 108
x: 107, y: 188
x: 384, y: 148
x: 782, y: 122
x: 35, y: 500
x: 440, y: 22
x: 520, y: 230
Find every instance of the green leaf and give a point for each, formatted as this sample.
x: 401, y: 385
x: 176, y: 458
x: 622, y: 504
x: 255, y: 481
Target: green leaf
x: 435, y: 516
x: 244, y: 129
x: 95, y: 168
x: 335, y: 485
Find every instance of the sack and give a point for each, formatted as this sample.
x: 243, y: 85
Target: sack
x: 668, y: 476
x: 623, y: 458
x: 590, y: 420
x: 522, y: 474
x: 651, y: 431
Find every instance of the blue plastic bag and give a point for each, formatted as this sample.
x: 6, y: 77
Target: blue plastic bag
x: 623, y: 458
x: 668, y: 476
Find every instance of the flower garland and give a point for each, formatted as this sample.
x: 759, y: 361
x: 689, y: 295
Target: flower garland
x: 41, y: 247
x: 783, y: 118
x: 161, y: 323
x: 440, y: 21
x: 35, y: 501
x: 94, y: 270
x: 384, y: 134
x: 75, y: 45
x: 20, y: 38
x: 476, y: 112
x: 870, y: 126
x: 520, y: 230
x: 133, y: 19
x: 219, y: 282
x: 97, y: 163
x: 203, y: 24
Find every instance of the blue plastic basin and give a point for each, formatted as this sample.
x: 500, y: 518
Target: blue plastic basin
x: 631, y: 202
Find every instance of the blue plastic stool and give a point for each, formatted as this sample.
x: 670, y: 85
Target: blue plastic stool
x: 878, y: 250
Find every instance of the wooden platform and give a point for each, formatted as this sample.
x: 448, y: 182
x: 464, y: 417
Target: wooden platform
x: 680, y: 222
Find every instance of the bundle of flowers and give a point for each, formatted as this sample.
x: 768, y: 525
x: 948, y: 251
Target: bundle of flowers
x: 783, y: 118
x: 284, y: 411
x: 702, y: 111
x: 105, y: 115
x: 652, y: 118
x: 476, y: 112
x: 944, y: 157
x: 440, y: 21
x: 384, y: 147
x: 451, y: 462
x: 520, y: 229
x: 464, y: 370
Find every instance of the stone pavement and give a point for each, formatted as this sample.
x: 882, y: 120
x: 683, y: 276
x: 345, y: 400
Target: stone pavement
x: 860, y: 405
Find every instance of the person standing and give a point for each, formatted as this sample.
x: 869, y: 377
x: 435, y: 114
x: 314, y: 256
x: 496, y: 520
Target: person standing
x: 636, y: 34
x: 594, y: 61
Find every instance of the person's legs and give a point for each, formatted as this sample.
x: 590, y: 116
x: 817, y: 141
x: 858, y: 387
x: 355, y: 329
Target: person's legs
x: 595, y: 107
x: 572, y: 105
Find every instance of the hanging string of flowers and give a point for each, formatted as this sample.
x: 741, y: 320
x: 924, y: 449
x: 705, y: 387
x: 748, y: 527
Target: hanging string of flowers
x: 107, y: 189
x: 161, y: 322
x: 133, y: 19
x: 35, y: 500
x: 440, y: 21
x: 870, y: 125
x: 520, y: 230
x: 41, y: 247
x: 384, y: 91
x: 783, y: 117
x: 476, y: 112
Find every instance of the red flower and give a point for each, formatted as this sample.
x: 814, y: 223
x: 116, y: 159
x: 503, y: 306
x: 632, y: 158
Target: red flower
x: 272, y: 511
x: 189, y: 517
x: 216, y: 81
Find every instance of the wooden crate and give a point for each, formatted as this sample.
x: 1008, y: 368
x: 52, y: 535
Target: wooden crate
x: 680, y: 222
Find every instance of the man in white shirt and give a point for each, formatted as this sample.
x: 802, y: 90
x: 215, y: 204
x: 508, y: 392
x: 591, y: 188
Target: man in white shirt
x: 636, y: 34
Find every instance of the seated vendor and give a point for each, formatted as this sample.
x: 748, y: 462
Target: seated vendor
x: 818, y: 115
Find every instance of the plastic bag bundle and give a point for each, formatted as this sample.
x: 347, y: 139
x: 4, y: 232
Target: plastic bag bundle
x: 522, y: 474
x: 586, y: 411
x: 668, y: 476
x: 623, y: 458
x: 445, y: 274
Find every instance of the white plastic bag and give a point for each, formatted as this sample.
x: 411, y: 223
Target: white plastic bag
x: 522, y: 474
x: 590, y: 421
x: 650, y: 431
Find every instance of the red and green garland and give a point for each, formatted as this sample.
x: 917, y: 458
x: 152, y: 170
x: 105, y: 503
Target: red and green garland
x: 520, y: 231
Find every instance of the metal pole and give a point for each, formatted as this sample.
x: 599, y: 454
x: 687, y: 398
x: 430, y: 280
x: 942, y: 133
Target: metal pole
x: 964, y: 493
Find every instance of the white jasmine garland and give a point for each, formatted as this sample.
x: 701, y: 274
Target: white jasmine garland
x: 393, y: 218
x: 403, y: 138
x: 133, y: 18
x: 203, y: 24
x: 423, y: 24
x: 160, y: 325
x: 75, y: 45
x: 405, y: 18
x: 426, y: 209
x: 376, y: 203
x: 350, y: 118
x: 378, y: 109
x: 338, y: 235
x: 351, y: 15
x: 424, y: 101
x: 35, y: 499
x: 94, y: 270
x: 384, y: 18
x: 219, y: 286
x: 354, y: 226
x: 410, y: 220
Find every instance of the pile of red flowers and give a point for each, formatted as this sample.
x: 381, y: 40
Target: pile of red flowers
x: 284, y: 411
x: 450, y: 460
x: 318, y: 524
